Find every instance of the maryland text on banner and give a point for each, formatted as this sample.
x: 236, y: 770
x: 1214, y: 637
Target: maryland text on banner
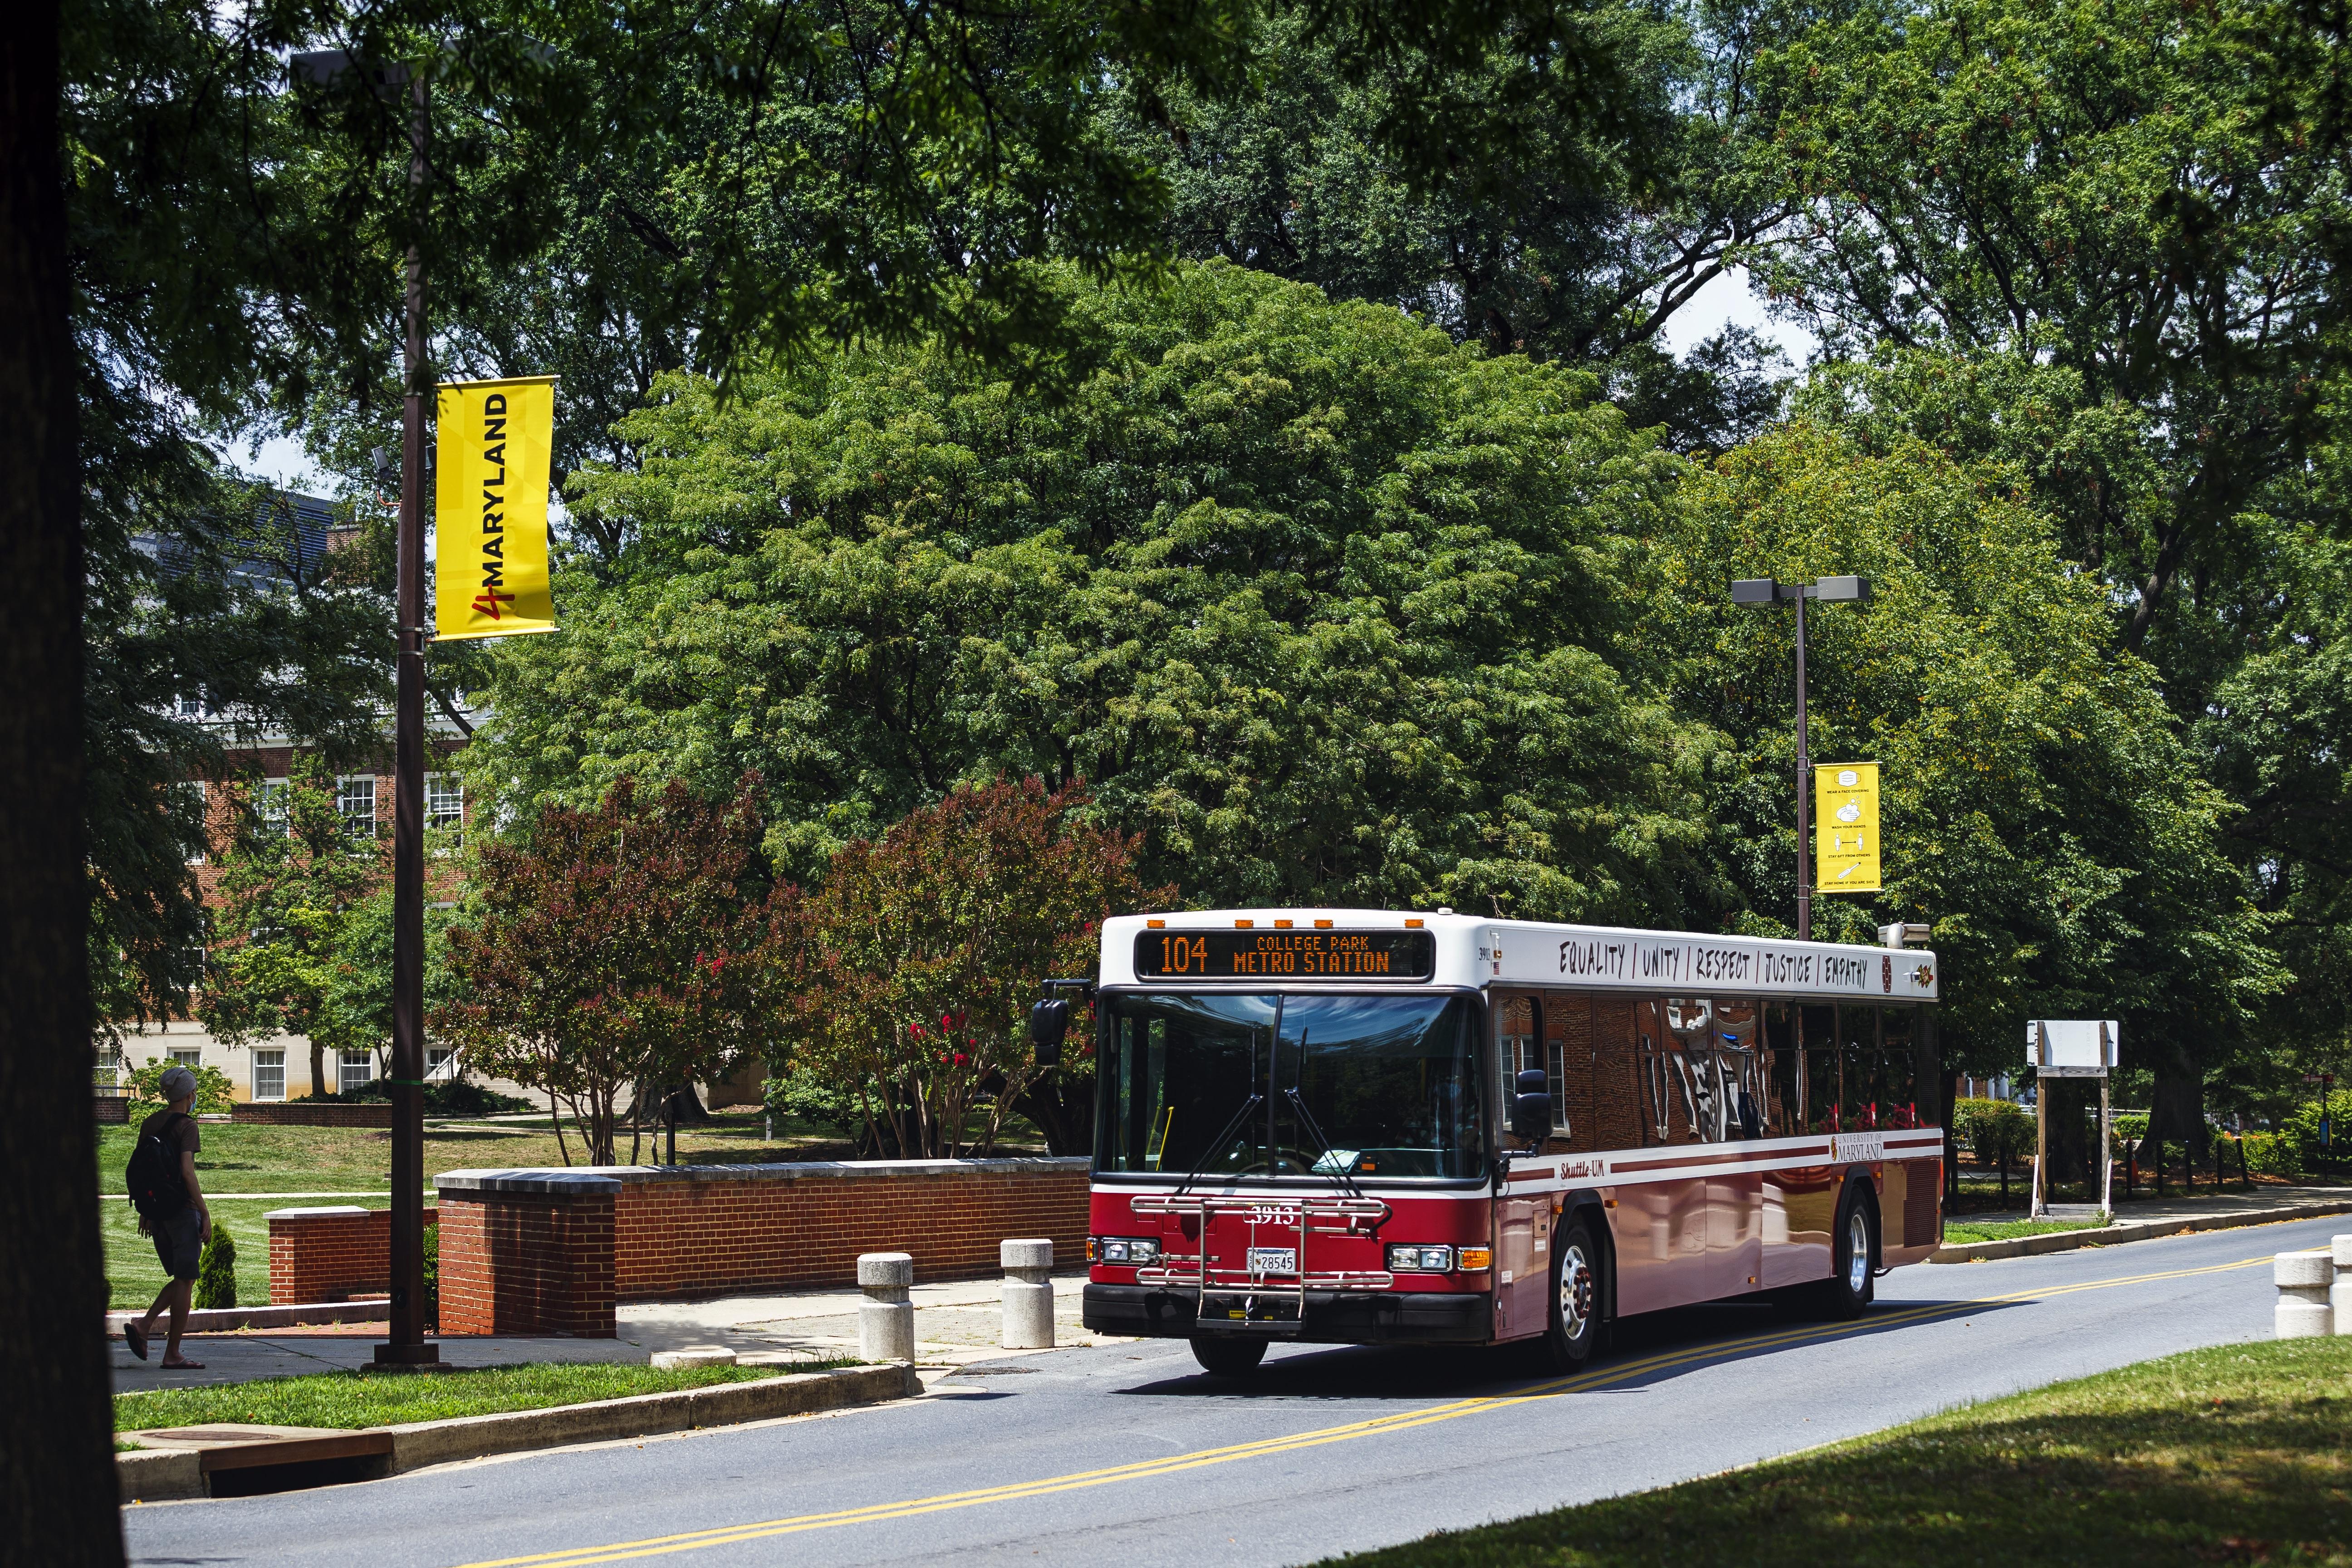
x: 490, y: 500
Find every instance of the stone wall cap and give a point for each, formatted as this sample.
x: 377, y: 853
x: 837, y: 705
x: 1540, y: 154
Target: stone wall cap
x: 609, y: 1179
x: 309, y: 1213
x: 564, y: 1183
x: 819, y: 1170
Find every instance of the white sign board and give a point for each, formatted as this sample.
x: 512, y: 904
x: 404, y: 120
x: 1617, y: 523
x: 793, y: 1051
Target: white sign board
x: 2072, y: 1048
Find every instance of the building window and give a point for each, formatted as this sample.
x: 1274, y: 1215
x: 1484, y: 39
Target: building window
x: 191, y: 704
x: 191, y: 799
x: 355, y: 803
x: 275, y: 809
x: 354, y: 1069
x: 189, y: 1056
x: 435, y: 1058
x: 270, y: 1075
x: 445, y: 805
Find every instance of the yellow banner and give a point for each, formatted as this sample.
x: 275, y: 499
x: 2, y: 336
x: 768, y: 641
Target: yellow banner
x: 490, y: 500
x: 1845, y: 826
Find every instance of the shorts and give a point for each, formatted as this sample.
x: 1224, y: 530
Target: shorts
x: 180, y: 1243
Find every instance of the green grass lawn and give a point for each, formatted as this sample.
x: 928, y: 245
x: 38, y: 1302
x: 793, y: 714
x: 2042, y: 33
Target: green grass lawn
x: 1962, y: 1230
x: 364, y: 1399
x: 2233, y: 1454
x: 133, y: 1276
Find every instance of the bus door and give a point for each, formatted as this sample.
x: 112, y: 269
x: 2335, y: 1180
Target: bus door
x: 1522, y: 1219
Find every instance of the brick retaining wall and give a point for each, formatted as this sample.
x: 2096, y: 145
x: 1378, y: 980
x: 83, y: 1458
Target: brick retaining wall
x: 555, y: 1251
x: 114, y: 1110
x: 303, y: 1113
x: 532, y: 1257
x: 329, y: 1254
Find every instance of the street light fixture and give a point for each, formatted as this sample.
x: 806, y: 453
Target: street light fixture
x: 1765, y: 590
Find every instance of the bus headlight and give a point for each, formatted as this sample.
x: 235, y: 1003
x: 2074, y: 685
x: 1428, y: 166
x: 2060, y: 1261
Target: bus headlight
x: 1421, y: 1260
x: 1126, y: 1250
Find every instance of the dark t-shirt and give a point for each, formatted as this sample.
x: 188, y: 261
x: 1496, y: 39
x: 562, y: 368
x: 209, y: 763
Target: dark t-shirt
x: 180, y: 1137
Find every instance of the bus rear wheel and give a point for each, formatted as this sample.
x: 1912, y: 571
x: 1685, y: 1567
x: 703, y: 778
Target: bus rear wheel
x: 1854, y: 1259
x: 1221, y: 1356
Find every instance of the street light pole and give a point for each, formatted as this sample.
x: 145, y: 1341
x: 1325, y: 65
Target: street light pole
x: 1767, y: 591
x: 406, y: 1347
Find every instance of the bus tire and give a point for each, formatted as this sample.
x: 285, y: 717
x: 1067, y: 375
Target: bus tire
x: 1854, y: 1258
x: 1221, y: 1356
x: 1572, y: 1335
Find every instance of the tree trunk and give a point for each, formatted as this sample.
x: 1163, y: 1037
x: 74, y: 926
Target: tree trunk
x: 317, y: 1068
x: 57, y: 1491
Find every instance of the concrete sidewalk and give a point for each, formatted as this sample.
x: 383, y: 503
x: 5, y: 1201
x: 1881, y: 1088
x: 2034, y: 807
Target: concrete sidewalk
x: 956, y: 1322
x: 2144, y: 1211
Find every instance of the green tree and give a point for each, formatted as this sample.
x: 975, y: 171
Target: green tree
x: 217, y: 1270
x: 623, y: 945
x: 1578, y: 242
x: 2107, y: 206
x: 910, y: 969
x: 290, y: 887
x: 2039, y: 806
x: 1328, y: 608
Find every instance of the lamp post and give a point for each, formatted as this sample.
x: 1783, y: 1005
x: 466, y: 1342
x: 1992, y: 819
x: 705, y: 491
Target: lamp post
x: 1831, y: 590
x: 406, y: 1346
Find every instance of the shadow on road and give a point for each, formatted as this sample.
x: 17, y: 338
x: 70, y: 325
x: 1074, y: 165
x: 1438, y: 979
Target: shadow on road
x: 1690, y: 1338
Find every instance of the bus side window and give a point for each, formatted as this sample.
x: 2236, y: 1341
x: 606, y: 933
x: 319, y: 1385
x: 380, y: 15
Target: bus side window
x: 1861, y: 1092
x: 1615, y: 1120
x: 1908, y: 1102
x: 1518, y: 1023
x: 1569, y: 1057
x: 1784, y: 1106
x: 1817, y: 1075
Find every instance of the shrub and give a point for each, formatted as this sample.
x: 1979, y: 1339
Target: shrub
x: 1994, y: 1129
x: 217, y: 1270
x: 2131, y: 1126
x: 453, y: 1097
x: 433, y: 1277
x: 213, y: 1090
x: 2274, y: 1154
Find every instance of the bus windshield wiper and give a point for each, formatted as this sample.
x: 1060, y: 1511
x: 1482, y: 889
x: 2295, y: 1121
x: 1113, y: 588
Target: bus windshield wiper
x: 1209, y: 1150
x: 1337, y: 1167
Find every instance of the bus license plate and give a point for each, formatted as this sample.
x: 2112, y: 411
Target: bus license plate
x: 1274, y: 1260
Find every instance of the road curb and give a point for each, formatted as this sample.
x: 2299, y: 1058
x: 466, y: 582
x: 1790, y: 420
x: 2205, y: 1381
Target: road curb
x: 156, y: 1475
x: 2141, y: 1230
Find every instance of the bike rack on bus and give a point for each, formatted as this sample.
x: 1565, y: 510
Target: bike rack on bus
x: 1298, y: 1217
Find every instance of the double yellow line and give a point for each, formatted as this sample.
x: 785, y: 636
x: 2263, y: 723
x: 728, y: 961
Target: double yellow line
x: 1147, y: 1470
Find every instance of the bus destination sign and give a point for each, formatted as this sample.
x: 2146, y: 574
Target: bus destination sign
x: 1403, y: 955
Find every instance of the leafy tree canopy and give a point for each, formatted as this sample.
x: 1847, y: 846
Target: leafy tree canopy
x: 2039, y: 806
x: 1325, y: 605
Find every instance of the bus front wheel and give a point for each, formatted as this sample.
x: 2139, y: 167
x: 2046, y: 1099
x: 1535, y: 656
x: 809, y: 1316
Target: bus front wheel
x: 1574, y: 1328
x: 1222, y: 1357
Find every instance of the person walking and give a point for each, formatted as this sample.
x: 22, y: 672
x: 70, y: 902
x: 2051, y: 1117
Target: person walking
x: 163, y: 1167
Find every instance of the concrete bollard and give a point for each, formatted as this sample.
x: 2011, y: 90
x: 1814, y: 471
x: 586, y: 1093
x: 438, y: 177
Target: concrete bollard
x: 2303, y: 1279
x: 1028, y: 1294
x: 2341, y: 1293
x: 886, y: 1319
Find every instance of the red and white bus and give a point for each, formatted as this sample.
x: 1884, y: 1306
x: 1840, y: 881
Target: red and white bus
x: 1354, y: 1126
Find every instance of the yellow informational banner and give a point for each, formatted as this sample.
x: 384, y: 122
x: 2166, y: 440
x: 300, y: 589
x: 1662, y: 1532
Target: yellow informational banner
x: 1845, y: 826
x: 489, y: 499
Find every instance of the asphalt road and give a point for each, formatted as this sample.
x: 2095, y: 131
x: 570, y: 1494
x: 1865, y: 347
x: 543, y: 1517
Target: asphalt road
x: 1123, y: 1455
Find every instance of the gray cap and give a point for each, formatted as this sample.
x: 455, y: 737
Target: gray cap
x: 177, y: 1083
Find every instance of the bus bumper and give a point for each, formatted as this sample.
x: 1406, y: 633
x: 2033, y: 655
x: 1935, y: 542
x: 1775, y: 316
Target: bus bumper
x: 1332, y: 1317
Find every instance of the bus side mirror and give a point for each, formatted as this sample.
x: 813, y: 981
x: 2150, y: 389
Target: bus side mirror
x: 1531, y: 1108
x: 1049, y: 1021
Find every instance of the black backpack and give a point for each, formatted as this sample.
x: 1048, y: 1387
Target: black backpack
x: 152, y: 1177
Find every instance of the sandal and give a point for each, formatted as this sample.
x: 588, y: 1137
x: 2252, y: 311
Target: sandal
x: 184, y: 1364
x: 136, y: 1338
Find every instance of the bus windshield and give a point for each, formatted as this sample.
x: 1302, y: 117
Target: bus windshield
x: 1229, y: 1084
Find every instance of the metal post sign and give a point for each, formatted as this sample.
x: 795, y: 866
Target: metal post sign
x: 1845, y: 826
x: 489, y: 496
